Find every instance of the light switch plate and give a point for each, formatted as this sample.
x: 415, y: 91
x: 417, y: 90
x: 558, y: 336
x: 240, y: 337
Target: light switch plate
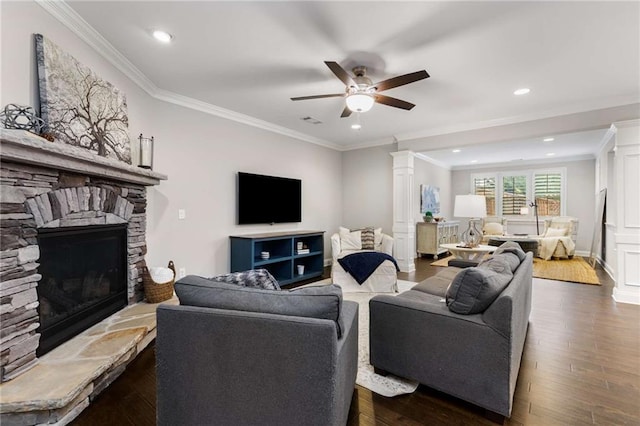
x: 182, y: 213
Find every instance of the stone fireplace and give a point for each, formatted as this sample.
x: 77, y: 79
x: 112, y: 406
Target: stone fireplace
x: 59, y: 203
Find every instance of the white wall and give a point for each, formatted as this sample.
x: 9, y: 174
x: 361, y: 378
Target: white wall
x: 200, y: 153
x: 580, y: 196
x: 367, y: 185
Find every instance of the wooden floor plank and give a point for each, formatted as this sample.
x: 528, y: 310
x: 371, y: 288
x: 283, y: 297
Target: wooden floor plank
x: 581, y: 365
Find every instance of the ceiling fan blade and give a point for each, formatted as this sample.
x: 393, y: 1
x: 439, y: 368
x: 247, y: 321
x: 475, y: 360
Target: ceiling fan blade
x: 388, y: 100
x: 340, y: 73
x: 401, y: 80
x: 304, y: 98
x: 345, y: 112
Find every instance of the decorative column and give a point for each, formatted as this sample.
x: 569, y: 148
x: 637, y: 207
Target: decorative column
x: 627, y: 227
x: 404, y: 228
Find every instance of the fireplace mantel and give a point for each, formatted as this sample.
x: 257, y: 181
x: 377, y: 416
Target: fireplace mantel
x: 20, y: 146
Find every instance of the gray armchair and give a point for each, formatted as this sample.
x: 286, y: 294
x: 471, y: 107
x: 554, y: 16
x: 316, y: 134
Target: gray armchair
x: 233, y: 367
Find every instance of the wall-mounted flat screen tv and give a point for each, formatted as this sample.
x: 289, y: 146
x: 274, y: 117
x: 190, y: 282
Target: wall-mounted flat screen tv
x: 268, y: 199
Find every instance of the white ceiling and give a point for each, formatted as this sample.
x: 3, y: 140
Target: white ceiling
x: 251, y: 57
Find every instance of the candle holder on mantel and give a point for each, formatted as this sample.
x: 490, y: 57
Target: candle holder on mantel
x: 146, y: 152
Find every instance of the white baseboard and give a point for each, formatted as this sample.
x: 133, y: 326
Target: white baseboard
x: 327, y: 262
x: 626, y: 296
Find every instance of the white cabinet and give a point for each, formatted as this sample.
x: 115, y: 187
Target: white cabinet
x: 430, y: 235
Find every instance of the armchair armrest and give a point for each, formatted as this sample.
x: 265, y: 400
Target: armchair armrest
x: 386, y: 246
x: 335, y: 247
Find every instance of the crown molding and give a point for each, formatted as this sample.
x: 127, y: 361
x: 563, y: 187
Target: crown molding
x: 432, y: 161
x: 519, y: 164
x: 60, y: 10
x: 609, y: 134
x: 72, y: 20
x: 207, y: 108
x: 551, y: 113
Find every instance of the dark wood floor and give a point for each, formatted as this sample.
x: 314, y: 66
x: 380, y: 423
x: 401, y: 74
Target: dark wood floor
x: 581, y: 365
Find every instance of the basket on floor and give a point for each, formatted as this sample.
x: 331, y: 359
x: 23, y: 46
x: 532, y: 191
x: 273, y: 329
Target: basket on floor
x: 158, y: 292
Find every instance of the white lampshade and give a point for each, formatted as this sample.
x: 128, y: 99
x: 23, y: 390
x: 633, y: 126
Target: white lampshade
x: 470, y: 206
x: 360, y: 102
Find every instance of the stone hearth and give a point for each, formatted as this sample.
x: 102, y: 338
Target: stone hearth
x: 53, y: 185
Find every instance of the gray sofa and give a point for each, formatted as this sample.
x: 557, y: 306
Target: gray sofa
x: 292, y: 361
x: 472, y: 356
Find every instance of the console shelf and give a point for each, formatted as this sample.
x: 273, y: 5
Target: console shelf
x: 283, y: 258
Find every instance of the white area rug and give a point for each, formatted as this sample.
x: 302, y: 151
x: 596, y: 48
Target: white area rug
x: 383, y: 385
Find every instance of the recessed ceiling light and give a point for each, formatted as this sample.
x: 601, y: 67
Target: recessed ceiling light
x: 550, y: 154
x: 548, y: 140
x: 162, y: 36
x: 474, y: 161
x: 456, y: 150
x: 522, y: 91
x: 356, y: 126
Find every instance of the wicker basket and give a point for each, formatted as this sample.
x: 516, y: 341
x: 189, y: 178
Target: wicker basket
x: 158, y: 292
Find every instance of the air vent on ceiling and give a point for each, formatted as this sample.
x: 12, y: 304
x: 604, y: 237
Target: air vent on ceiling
x: 311, y: 120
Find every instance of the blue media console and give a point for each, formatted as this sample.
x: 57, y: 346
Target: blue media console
x: 285, y: 257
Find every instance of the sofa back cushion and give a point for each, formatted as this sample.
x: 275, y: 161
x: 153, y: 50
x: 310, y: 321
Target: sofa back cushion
x: 323, y: 302
x: 474, y: 289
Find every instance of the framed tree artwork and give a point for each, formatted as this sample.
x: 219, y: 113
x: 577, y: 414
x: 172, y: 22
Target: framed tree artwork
x: 78, y: 107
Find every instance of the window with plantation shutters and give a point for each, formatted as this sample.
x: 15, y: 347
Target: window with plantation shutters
x: 486, y: 186
x: 547, y: 190
x: 514, y: 194
x: 509, y: 191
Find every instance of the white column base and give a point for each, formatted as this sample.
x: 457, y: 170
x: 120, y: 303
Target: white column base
x: 627, y: 295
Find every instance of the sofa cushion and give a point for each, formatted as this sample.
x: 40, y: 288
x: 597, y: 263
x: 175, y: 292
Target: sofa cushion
x: 256, y: 278
x: 437, y: 284
x: 323, y: 302
x: 367, y: 238
x: 512, y: 253
x: 474, y: 289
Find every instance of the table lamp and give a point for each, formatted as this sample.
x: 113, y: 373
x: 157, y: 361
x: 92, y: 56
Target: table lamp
x: 474, y: 207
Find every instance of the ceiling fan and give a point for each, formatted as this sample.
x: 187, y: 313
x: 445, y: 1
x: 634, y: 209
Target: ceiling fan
x: 361, y: 93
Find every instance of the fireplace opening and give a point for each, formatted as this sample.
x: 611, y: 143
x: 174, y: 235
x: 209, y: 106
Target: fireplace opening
x: 84, y: 280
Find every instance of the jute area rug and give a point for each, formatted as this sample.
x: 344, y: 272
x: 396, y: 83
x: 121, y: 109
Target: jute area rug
x: 575, y: 270
x: 383, y: 385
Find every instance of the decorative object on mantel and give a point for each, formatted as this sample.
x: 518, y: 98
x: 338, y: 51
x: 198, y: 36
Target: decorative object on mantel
x: 21, y: 117
x: 156, y: 292
x: 146, y: 152
x: 428, y: 216
x: 474, y: 207
x: 78, y: 107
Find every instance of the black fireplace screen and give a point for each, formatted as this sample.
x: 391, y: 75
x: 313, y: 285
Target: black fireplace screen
x: 84, y: 280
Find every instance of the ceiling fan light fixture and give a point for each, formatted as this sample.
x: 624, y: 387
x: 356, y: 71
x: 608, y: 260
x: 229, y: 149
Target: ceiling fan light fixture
x: 360, y: 102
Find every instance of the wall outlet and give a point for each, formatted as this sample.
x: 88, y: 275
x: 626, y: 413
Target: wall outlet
x: 182, y: 272
x: 182, y: 213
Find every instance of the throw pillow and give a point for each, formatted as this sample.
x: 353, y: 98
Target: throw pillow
x: 474, y: 289
x: 556, y: 232
x: 322, y: 302
x: 377, y: 238
x: 350, y: 240
x: 492, y: 228
x: 256, y: 278
x: 367, y: 238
